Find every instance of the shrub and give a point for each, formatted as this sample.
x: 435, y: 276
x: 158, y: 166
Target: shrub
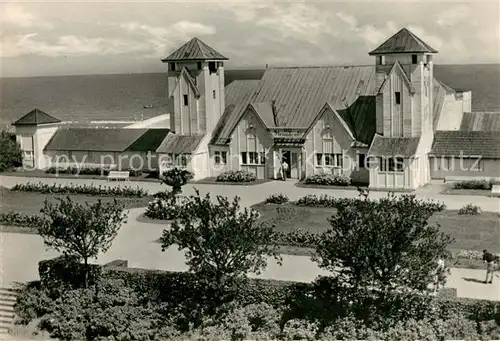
x: 10, y: 152
x: 66, y: 272
x: 236, y: 176
x: 474, y: 184
x: 299, y: 238
x: 163, y: 195
x: 40, y: 187
x: 470, y: 209
x: 323, y: 200
x: 328, y: 180
x: 470, y: 254
x: 277, y: 198
x: 24, y: 220
x: 162, y: 209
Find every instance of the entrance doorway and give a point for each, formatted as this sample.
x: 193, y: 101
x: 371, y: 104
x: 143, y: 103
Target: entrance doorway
x: 291, y: 159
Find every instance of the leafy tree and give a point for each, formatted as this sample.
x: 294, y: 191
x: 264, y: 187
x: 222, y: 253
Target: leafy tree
x: 10, y: 152
x: 81, y: 230
x: 222, y: 242
x: 176, y: 178
x: 384, y: 245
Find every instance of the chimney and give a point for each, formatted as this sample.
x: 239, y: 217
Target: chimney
x: 275, y: 113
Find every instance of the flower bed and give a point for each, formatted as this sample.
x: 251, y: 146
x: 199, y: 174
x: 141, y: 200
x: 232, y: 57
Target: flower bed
x: 236, y: 176
x: 40, y: 187
x: 475, y: 184
x: 22, y: 220
x: 162, y: 208
x: 88, y: 170
x: 328, y: 180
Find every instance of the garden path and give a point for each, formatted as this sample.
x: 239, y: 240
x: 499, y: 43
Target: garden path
x: 136, y: 241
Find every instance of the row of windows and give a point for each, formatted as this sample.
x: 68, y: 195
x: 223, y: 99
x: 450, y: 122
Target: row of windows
x: 247, y: 158
x: 179, y: 160
x: 391, y: 164
x: 414, y: 59
x: 332, y: 160
x: 212, y: 66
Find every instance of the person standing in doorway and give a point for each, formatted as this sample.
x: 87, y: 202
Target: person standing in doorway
x: 490, y: 261
x: 284, y: 170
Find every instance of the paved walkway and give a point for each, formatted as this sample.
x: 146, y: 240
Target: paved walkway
x: 135, y: 242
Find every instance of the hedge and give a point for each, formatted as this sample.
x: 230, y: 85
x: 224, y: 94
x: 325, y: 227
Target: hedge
x: 236, y: 176
x: 328, y: 180
x: 24, y: 220
x: 101, y: 171
x: 475, y: 184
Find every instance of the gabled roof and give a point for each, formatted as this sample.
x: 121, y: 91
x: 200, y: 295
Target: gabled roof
x: 397, y: 66
x: 361, y: 118
x: 403, y: 41
x: 466, y: 143
x: 109, y: 140
x: 180, y: 144
x: 393, y: 146
x: 480, y: 121
x: 194, y: 49
x: 299, y: 93
x: 235, y: 93
x: 265, y: 113
x: 36, y: 117
x: 331, y: 107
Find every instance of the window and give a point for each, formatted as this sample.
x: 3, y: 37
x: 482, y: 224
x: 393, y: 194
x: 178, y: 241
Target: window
x: 391, y: 164
x: 414, y: 59
x: 180, y: 160
x: 319, y: 159
x: 397, y: 97
x: 253, y: 158
x: 213, y: 94
x: 330, y: 160
x: 361, y: 160
x: 171, y: 66
x: 220, y: 157
x: 200, y: 66
x: 186, y: 101
x: 212, y: 67
x: 380, y: 60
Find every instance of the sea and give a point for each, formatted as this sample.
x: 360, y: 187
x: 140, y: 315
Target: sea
x: 133, y: 97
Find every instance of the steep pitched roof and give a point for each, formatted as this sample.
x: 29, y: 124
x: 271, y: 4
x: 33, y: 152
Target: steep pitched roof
x: 331, y: 107
x: 180, y: 144
x: 194, y: 49
x: 235, y: 93
x: 480, y: 121
x: 403, y: 41
x: 265, y: 113
x: 361, y: 118
x: 109, y: 140
x: 299, y: 93
x: 393, y: 146
x: 467, y: 143
x: 36, y: 117
x: 439, y: 97
x: 397, y: 66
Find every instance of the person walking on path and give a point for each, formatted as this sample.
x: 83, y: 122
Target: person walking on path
x: 490, y: 261
x: 440, y: 276
x: 284, y: 170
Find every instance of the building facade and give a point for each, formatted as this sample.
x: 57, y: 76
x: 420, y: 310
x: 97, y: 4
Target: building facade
x: 374, y: 124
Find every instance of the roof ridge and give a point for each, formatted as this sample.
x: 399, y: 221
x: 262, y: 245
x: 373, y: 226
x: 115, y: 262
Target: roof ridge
x: 318, y: 66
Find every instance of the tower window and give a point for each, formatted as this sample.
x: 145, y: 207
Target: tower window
x: 199, y: 66
x: 213, y: 94
x: 414, y: 59
x: 186, y: 101
x: 212, y: 67
x: 397, y: 97
x: 380, y: 60
x: 171, y: 66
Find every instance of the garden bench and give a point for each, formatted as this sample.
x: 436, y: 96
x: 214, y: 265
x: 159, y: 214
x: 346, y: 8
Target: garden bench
x: 118, y: 175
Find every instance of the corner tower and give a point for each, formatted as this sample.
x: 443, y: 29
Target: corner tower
x: 195, y: 88
x: 404, y: 71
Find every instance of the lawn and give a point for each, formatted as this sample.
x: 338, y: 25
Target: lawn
x: 470, y: 232
x: 31, y: 203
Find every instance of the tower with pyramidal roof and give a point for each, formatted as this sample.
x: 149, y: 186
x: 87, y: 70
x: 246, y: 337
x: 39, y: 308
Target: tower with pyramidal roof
x: 195, y: 88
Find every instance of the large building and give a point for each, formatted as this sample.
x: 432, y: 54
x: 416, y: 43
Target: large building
x: 390, y: 125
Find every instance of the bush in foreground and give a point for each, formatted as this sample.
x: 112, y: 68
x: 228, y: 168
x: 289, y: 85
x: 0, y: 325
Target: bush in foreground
x: 10, y: 152
x: 23, y: 220
x: 328, y: 180
x: 236, y: 176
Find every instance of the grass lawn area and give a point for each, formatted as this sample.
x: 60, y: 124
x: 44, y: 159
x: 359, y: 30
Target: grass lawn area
x: 31, y: 203
x: 470, y: 232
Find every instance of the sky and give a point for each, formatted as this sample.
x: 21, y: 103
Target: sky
x: 41, y: 38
